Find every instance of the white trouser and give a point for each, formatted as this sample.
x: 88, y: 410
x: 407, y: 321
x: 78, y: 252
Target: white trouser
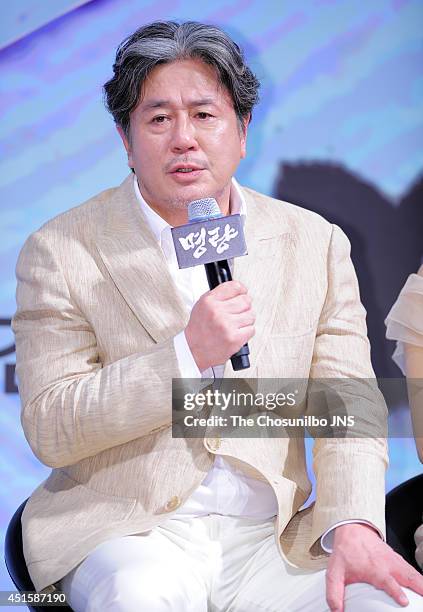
x: 207, y: 564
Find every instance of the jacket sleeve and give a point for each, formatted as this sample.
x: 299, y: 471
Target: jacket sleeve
x: 350, y: 471
x: 72, y: 406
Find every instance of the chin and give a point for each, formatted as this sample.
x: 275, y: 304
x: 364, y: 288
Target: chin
x: 191, y: 192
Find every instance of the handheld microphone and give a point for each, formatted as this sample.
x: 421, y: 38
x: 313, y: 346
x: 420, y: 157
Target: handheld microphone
x: 202, y: 241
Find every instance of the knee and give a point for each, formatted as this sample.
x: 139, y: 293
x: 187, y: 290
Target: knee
x: 363, y: 597
x: 415, y: 600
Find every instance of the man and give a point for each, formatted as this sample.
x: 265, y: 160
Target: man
x: 131, y: 518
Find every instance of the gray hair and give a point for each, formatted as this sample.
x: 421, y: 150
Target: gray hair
x: 163, y: 42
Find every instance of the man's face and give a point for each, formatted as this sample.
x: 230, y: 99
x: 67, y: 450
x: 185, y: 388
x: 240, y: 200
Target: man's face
x: 185, y: 141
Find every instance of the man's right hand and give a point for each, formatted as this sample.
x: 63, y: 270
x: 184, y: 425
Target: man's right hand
x: 220, y: 323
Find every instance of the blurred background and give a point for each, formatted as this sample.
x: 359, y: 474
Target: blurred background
x: 338, y: 130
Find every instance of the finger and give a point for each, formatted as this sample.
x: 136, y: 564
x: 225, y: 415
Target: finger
x: 245, y: 334
x: 409, y: 577
x: 414, y: 582
x: 393, y: 589
x: 238, y: 304
x: 335, y: 588
x: 228, y: 290
x: 246, y: 319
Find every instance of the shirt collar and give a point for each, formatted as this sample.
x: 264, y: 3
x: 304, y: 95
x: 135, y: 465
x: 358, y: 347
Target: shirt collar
x: 157, y: 224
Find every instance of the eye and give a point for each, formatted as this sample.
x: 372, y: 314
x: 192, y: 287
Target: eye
x: 203, y: 115
x: 159, y: 119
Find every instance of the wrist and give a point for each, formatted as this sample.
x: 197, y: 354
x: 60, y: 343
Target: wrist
x: 196, y: 352
x: 353, y: 530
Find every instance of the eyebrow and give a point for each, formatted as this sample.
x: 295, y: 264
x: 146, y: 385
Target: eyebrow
x: 166, y: 103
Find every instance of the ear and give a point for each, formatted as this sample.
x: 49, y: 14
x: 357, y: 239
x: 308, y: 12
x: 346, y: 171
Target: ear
x: 126, y: 144
x: 243, y: 136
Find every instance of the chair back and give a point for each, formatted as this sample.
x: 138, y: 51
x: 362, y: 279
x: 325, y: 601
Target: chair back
x: 404, y: 513
x: 15, y: 561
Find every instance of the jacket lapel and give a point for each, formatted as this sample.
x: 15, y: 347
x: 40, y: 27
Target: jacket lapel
x: 270, y: 248
x: 137, y: 265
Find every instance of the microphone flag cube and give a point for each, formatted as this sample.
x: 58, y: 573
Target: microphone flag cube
x: 202, y: 242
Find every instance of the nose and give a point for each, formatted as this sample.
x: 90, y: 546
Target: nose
x: 183, y: 135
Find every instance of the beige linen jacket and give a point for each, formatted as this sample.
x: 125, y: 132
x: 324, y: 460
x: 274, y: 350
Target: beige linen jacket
x: 97, y: 311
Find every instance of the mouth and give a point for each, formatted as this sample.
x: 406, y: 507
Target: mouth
x: 186, y: 172
x: 184, y: 168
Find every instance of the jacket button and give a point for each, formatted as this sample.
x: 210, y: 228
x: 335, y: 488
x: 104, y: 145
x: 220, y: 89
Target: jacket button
x: 173, y: 503
x: 213, y: 443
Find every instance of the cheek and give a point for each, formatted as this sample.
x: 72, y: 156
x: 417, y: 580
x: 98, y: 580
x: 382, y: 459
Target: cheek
x: 149, y: 154
x: 224, y: 147
x: 231, y: 152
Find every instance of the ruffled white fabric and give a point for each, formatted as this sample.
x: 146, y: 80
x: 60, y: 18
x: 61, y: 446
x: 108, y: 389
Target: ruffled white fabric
x: 404, y: 322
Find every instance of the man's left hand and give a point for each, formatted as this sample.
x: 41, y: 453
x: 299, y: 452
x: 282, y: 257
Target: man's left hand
x: 360, y: 555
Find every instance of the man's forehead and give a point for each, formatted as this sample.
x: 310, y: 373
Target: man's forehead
x: 149, y: 103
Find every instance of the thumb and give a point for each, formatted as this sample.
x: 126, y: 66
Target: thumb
x: 335, y: 587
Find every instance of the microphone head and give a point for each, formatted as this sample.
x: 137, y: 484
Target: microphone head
x: 201, y: 210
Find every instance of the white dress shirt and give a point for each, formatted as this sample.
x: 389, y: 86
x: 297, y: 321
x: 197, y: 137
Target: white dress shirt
x: 225, y: 489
